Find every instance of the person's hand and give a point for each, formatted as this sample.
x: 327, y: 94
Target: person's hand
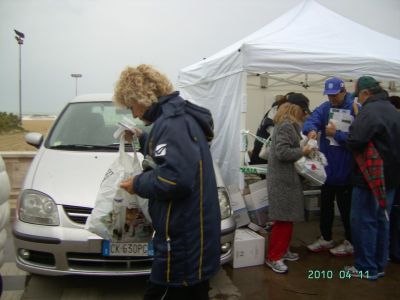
x: 128, y: 136
x: 138, y: 132
x: 330, y: 129
x: 130, y: 133
x: 127, y: 185
x: 312, y: 135
x: 307, y: 149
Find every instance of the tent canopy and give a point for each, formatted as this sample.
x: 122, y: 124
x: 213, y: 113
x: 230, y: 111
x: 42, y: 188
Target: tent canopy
x: 308, y: 39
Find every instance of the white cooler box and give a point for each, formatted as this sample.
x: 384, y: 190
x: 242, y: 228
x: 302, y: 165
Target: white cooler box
x: 248, y: 249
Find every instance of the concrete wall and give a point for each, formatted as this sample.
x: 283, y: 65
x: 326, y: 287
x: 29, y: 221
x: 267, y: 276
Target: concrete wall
x: 17, y: 164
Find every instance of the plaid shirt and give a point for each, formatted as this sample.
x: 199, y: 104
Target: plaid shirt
x: 371, y: 166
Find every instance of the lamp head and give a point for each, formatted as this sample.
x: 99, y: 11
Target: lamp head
x: 19, y: 33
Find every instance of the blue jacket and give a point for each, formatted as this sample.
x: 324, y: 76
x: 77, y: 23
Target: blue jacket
x: 182, y: 193
x: 340, y: 159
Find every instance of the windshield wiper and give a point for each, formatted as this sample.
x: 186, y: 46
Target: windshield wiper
x: 77, y: 147
x: 85, y: 147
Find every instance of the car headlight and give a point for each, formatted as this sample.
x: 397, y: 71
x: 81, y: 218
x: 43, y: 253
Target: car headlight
x: 224, y: 204
x: 38, y: 208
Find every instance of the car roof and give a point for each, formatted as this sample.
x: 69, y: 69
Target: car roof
x: 105, y: 97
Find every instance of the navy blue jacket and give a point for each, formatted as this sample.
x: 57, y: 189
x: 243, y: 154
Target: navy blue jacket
x: 182, y: 193
x: 378, y: 121
x: 340, y: 159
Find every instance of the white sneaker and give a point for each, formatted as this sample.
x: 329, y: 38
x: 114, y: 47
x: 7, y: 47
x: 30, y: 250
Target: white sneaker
x: 290, y: 256
x: 344, y: 249
x: 277, y: 266
x: 320, y: 244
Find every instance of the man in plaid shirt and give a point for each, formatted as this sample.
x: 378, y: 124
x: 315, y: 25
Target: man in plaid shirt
x: 374, y: 141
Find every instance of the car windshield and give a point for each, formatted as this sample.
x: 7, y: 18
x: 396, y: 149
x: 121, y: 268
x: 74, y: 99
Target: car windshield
x: 89, y: 126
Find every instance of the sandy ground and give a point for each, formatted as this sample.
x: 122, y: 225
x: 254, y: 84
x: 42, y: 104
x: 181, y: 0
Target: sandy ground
x: 16, y: 141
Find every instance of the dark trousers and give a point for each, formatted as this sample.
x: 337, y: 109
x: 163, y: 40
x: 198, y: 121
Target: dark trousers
x: 343, y: 199
x: 370, y: 230
x: 161, y: 292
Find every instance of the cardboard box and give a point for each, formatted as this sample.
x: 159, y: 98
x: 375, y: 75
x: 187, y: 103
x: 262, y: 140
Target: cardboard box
x: 257, y: 204
x: 311, y: 204
x: 261, y: 184
x: 257, y: 229
x: 238, y: 206
x: 248, y: 249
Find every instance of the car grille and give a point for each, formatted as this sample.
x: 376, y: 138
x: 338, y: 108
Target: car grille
x: 77, y: 214
x: 98, y: 262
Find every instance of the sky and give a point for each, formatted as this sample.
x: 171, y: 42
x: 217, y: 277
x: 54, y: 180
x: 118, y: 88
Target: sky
x: 99, y: 38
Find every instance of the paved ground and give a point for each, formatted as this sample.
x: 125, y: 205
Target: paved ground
x: 260, y: 283
x: 18, y: 284
x: 250, y: 283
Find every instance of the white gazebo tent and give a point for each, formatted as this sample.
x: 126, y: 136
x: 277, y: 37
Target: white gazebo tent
x: 308, y: 39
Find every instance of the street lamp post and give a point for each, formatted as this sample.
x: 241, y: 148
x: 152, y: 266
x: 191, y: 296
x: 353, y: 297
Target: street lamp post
x: 20, y: 40
x: 76, y: 76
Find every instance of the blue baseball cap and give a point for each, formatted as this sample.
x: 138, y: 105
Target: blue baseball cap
x: 333, y: 86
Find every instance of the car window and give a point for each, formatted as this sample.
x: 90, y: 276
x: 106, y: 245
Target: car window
x: 88, y: 124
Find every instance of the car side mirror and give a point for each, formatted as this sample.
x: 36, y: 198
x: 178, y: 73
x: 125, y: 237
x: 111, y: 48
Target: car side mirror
x: 34, y: 139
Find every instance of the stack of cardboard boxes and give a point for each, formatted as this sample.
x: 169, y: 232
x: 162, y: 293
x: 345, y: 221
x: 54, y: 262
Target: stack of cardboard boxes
x: 252, y: 206
x: 251, y: 212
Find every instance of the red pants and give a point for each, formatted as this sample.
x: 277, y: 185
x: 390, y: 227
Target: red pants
x: 279, y: 239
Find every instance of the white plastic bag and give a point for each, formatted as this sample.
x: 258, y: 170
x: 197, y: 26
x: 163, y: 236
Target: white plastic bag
x: 264, y: 152
x: 115, y: 210
x: 312, y: 168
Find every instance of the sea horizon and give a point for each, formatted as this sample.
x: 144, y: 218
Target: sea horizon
x: 39, y: 116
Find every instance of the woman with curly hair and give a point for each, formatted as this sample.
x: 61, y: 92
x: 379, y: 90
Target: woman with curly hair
x: 181, y: 188
x: 284, y: 185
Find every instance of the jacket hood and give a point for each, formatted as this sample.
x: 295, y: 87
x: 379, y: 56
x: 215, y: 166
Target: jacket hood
x: 173, y: 105
x: 377, y: 97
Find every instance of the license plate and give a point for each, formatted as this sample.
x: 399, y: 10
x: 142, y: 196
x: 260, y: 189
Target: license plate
x: 110, y: 248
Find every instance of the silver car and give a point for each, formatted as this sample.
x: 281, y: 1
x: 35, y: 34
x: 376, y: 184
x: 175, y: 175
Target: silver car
x: 59, y: 192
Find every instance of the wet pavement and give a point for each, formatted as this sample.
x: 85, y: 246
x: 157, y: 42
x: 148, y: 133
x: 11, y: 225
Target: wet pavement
x: 261, y: 283
x: 244, y: 283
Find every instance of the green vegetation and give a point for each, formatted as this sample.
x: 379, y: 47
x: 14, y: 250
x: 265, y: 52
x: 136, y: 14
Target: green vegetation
x: 9, y: 123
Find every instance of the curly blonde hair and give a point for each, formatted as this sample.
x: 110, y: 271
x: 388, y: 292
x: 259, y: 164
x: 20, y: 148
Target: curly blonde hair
x: 143, y: 85
x: 288, y: 111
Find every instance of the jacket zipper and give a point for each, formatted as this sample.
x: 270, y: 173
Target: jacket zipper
x: 201, y: 219
x: 168, y: 239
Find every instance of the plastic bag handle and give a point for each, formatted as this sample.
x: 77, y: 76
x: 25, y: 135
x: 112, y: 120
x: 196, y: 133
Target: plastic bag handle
x: 258, y: 138
x: 135, y: 155
x: 121, y: 144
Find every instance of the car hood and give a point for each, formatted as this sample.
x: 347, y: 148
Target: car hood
x: 71, y: 177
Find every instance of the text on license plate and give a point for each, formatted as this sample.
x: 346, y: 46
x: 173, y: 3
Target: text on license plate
x: 125, y: 249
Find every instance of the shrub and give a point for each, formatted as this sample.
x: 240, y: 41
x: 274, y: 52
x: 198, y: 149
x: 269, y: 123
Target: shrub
x: 9, y: 123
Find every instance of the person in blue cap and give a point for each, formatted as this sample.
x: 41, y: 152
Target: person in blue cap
x: 326, y: 123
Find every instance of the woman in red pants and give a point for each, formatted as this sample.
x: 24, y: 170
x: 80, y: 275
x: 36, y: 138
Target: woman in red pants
x: 285, y: 189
